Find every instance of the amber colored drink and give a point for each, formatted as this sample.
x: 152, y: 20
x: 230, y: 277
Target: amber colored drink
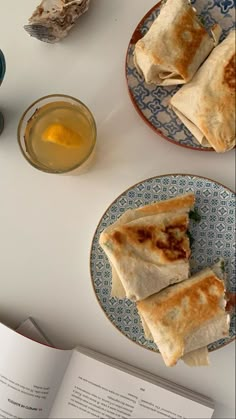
x: 59, y: 136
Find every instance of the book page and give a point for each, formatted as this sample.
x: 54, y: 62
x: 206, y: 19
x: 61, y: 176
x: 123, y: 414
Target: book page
x: 30, y: 329
x: 30, y: 374
x: 92, y: 389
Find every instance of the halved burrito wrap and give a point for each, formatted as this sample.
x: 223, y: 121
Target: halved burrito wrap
x: 175, y: 45
x: 206, y: 105
x: 187, y: 316
x: 148, y: 247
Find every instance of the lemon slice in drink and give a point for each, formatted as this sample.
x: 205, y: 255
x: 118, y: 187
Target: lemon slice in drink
x: 62, y: 135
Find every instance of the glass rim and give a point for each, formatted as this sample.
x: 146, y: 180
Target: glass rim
x: 2, y: 66
x: 44, y: 168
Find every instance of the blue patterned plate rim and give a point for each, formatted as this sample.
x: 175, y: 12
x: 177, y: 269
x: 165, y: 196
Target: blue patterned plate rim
x: 97, y: 252
x: 147, y: 98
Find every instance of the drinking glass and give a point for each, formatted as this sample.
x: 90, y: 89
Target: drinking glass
x: 2, y: 73
x: 57, y: 134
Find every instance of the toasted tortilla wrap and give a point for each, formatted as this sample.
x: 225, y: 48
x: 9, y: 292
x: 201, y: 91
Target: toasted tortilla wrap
x: 175, y: 46
x: 186, y: 317
x: 197, y: 358
x: 148, y: 247
x: 207, y: 104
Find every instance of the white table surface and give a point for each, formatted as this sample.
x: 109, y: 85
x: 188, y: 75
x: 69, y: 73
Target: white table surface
x: 47, y: 221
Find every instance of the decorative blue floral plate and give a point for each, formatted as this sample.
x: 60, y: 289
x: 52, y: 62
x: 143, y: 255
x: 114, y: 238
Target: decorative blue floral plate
x: 214, y: 237
x: 151, y: 101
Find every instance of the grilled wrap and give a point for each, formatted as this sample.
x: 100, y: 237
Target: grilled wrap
x: 148, y: 247
x: 175, y: 45
x: 206, y: 105
x: 186, y: 316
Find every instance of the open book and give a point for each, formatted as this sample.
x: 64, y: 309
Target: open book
x: 39, y: 381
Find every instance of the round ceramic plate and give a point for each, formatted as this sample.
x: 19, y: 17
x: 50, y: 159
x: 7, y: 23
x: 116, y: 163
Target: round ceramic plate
x: 213, y: 238
x: 151, y: 101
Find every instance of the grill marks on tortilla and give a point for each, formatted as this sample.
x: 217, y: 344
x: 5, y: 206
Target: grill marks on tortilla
x: 170, y: 239
x: 188, y: 35
x: 118, y: 237
x: 230, y: 74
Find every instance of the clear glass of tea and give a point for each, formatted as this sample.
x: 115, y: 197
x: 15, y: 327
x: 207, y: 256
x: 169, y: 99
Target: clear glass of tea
x: 57, y: 134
